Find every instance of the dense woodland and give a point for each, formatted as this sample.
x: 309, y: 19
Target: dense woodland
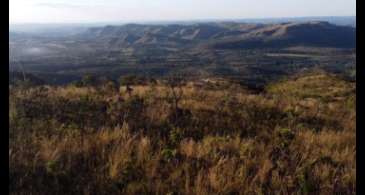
x: 177, y: 136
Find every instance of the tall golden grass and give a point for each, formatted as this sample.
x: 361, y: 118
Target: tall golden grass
x: 296, y: 137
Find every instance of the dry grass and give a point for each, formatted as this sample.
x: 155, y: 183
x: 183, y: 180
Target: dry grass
x: 287, y: 140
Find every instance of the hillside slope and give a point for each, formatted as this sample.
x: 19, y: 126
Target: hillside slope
x: 233, y: 35
x: 297, y: 137
x: 312, y: 34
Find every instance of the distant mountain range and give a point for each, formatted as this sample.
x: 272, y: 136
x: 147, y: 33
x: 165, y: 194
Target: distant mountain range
x: 72, y: 28
x: 225, y: 35
x: 254, y: 52
x: 337, y: 20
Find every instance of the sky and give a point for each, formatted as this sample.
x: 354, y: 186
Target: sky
x: 90, y: 11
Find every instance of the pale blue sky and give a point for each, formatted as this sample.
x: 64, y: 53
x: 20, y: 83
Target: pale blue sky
x: 74, y: 11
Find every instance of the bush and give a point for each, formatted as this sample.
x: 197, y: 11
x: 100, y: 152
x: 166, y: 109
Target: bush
x: 89, y: 80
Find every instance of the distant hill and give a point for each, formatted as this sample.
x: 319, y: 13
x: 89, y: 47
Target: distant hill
x: 255, y: 52
x: 317, y: 34
x: 336, y: 20
x: 228, y: 35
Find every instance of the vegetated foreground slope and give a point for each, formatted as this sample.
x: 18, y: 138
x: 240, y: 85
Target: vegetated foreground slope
x: 215, y: 49
x: 200, y: 137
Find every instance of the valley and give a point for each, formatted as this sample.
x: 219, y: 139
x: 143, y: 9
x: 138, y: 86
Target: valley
x: 254, y: 53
